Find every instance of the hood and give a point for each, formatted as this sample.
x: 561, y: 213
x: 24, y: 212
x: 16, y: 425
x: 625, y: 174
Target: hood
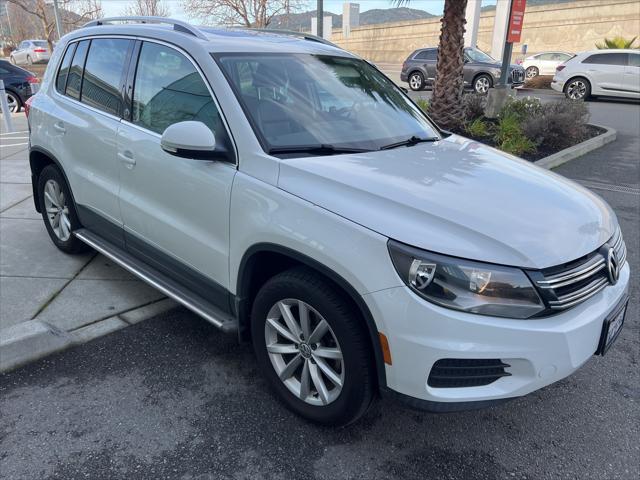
x: 458, y: 197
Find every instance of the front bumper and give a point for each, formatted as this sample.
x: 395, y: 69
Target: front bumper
x: 539, y: 351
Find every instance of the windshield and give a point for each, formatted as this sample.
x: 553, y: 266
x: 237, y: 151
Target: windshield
x: 325, y: 102
x: 479, y: 56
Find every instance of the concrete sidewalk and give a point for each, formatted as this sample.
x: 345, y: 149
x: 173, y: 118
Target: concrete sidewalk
x: 48, y: 299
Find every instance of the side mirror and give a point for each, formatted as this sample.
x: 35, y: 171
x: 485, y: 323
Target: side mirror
x: 466, y: 60
x: 191, y: 140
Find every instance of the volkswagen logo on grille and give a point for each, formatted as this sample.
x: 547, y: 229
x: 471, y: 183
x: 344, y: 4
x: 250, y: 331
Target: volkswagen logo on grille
x: 613, y: 266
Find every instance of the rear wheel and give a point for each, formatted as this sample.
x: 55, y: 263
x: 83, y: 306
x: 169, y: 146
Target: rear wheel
x: 532, y: 72
x: 416, y: 81
x: 577, y: 89
x: 311, y: 348
x: 58, y: 211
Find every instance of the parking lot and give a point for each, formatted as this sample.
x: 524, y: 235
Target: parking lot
x: 173, y: 397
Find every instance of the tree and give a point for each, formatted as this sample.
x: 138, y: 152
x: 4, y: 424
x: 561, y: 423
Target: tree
x: 616, y: 42
x: 73, y: 14
x: 445, y: 106
x: 246, y: 13
x: 147, y: 8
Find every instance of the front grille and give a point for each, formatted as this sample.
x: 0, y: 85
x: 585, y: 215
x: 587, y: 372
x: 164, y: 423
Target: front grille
x: 577, y: 281
x: 517, y: 75
x: 466, y: 372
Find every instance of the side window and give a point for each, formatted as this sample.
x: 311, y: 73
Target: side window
x: 63, y: 73
x: 74, y: 81
x: 168, y: 89
x: 103, y: 74
x: 607, y: 59
x: 427, y: 55
x: 634, y: 59
x: 545, y: 56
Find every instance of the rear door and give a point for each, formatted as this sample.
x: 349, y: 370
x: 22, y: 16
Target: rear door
x: 632, y: 75
x: 606, y: 72
x: 427, y: 58
x: 175, y: 210
x: 88, y: 113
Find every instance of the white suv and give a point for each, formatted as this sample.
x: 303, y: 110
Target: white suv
x: 612, y: 73
x: 286, y: 190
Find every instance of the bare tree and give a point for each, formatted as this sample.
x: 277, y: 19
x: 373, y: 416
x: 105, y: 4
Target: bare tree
x: 73, y: 14
x: 246, y: 13
x: 147, y: 8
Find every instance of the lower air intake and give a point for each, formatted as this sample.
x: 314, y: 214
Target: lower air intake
x: 465, y: 372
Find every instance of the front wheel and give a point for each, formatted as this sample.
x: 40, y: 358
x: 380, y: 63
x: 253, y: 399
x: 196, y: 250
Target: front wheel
x: 58, y: 211
x: 312, y: 348
x: 577, y: 89
x: 29, y: 60
x: 482, y: 84
x: 12, y: 60
x: 416, y: 81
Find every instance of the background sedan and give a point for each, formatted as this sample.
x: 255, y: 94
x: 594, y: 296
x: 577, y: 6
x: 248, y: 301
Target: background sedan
x: 544, y: 63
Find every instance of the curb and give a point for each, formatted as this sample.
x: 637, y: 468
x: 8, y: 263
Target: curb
x: 563, y: 156
x: 32, y: 340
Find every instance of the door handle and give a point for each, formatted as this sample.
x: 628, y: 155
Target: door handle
x: 126, y: 157
x: 59, y: 126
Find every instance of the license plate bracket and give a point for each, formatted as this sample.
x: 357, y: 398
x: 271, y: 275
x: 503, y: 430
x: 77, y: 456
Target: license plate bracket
x: 612, y: 326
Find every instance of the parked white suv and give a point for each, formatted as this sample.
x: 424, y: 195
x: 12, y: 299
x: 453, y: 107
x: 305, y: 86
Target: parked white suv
x: 285, y: 189
x: 612, y: 73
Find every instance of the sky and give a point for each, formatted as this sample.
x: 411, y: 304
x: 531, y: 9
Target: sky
x: 115, y: 7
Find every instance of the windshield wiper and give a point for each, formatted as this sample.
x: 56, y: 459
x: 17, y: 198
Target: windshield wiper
x: 409, y: 142
x: 322, y: 149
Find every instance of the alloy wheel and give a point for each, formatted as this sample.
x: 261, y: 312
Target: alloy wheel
x: 415, y: 82
x: 482, y: 85
x: 576, y: 90
x: 12, y: 103
x: 57, y: 210
x: 531, y: 72
x: 304, y: 352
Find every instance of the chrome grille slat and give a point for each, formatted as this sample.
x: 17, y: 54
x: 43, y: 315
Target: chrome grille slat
x: 577, y: 284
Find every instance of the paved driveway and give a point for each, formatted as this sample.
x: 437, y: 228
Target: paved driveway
x: 174, y: 398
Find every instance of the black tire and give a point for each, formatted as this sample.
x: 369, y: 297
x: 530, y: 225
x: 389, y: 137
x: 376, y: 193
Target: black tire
x: 15, y: 98
x: 72, y: 244
x: 531, y: 72
x: 577, y: 88
x: 29, y: 60
x: 416, y: 81
x: 357, y: 391
x: 12, y: 60
x: 482, y: 83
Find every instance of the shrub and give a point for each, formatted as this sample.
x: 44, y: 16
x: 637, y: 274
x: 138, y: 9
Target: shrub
x: 558, y: 124
x: 521, y: 109
x: 423, y: 104
x: 473, y: 106
x: 510, y: 137
x: 541, y: 81
x: 478, y: 128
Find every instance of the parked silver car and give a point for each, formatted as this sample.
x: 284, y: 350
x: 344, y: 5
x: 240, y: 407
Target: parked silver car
x: 30, y: 52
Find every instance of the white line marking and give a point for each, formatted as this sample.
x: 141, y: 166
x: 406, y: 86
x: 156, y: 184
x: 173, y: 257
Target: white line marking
x: 16, y: 138
x: 14, y: 145
x: 13, y: 133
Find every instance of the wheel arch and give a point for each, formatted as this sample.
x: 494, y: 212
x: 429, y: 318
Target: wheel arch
x: 39, y: 158
x: 252, y: 274
x: 482, y: 73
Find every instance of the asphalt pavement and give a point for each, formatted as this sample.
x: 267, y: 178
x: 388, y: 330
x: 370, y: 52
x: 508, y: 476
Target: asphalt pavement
x: 173, y: 397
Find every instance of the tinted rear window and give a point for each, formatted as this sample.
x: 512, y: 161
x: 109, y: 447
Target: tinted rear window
x: 41, y: 44
x: 63, y: 73
x: 427, y: 55
x: 607, y: 59
x: 74, y: 82
x: 103, y: 74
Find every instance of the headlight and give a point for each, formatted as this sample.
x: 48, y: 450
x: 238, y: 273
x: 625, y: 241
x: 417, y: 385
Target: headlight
x: 466, y: 285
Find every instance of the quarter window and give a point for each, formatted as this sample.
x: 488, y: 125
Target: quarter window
x: 634, y: 59
x: 607, y: 59
x: 63, y: 73
x: 74, y: 81
x: 103, y: 74
x: 427, y: 55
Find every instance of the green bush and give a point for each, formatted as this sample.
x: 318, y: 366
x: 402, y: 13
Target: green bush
x: 473, y: 106
x: 521, y: 109
x: 423, y: 104
x: 510, y: 138
x: 478, y: 128
x: 616, y: 42
x: 558, y: 124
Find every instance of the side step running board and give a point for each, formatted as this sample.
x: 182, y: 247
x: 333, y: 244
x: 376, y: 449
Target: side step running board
x: 166, y: 285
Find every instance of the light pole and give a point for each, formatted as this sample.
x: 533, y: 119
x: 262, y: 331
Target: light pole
x: 56, y: 13
x: 319, y: 18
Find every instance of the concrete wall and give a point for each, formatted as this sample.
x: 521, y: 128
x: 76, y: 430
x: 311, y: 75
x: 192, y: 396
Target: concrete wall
x: 571, y: 27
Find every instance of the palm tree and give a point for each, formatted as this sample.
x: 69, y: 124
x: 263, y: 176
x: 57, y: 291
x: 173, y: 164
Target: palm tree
x: 616, y: 42
x: 445, y: 106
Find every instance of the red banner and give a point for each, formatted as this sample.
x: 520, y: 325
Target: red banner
x: 515, y: 21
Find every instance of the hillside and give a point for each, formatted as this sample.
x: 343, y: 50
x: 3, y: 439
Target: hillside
x: 302, y: 21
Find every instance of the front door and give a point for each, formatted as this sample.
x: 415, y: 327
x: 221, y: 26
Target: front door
x: 175, y: 210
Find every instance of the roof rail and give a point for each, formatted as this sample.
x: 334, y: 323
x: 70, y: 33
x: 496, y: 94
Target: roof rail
x: 178, y: 25
x: 291, y: 33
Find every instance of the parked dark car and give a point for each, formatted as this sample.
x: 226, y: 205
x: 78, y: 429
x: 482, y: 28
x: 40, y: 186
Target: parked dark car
x: 17, y: 83
x: 481, y: 71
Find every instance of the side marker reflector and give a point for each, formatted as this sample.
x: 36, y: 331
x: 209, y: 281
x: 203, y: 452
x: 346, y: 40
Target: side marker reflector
x: 384, y: 345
